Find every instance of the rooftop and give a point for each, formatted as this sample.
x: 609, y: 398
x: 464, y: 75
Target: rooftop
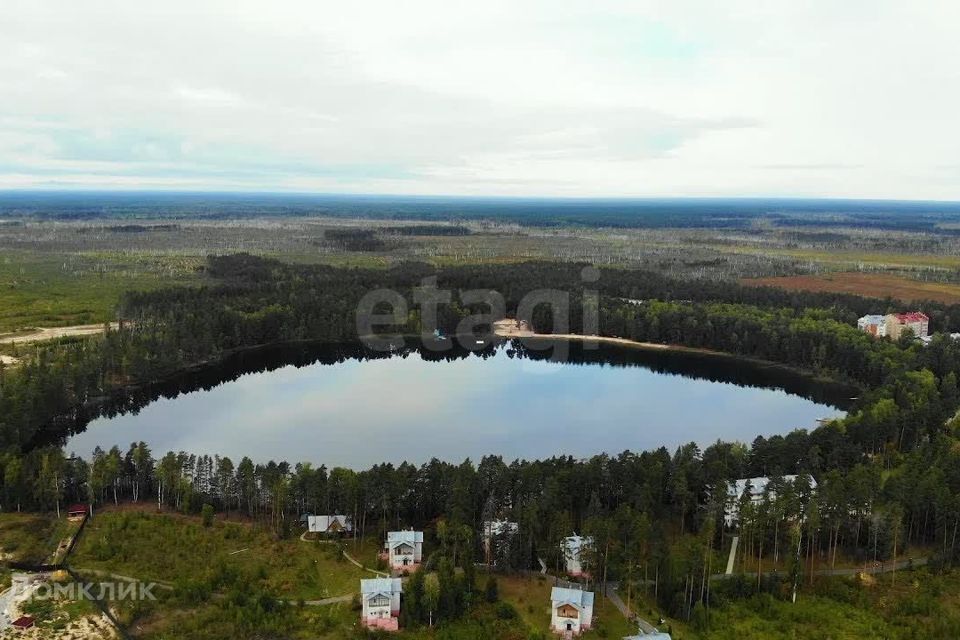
x: 577, y: 597
x: 370, y: 586
x: 911, y: 316
x: 759, y: 484
x: 405, y: 536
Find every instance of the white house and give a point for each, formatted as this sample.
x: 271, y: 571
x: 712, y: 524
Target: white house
x: 758, y: 488
x: 380, y: 600
x: 573, y: 548
x: 571, y: 611
x: 329, y: 524
x: 496, y: 537
x: 875, y: 325
x: 404, y: 549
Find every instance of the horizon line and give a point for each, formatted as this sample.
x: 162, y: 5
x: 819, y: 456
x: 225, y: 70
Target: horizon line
x: 80, y: 191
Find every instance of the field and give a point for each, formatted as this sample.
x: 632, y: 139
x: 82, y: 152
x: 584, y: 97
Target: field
x: 41, y: 289
x: 171, y: 548
x: 30, y: 537
x: 866, y: 284
x: 65, y: 271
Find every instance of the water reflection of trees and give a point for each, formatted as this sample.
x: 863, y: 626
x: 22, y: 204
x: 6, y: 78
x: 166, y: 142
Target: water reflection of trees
x: 711, y: 367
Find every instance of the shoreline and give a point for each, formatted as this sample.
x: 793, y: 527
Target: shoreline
x: 625, y: 342
x: 510, y: 329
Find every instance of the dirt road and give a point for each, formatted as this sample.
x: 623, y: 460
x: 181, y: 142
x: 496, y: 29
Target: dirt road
x: 55, y: 332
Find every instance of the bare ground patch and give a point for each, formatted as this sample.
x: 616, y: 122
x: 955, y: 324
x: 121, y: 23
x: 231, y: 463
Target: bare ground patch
x: 875, y: 285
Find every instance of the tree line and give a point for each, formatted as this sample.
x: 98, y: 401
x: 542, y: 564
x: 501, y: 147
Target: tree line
x: 887, y: 470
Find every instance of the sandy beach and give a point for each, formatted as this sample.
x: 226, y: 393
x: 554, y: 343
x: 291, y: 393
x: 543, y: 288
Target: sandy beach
x: 510, y: 328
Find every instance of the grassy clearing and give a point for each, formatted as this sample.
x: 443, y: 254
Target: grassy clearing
x: 164, y: 620
x: 30, y: 537
x: 848, y: 257
x: 530, y: 597
x: 866, y: 284
x: 39, y: 289
x: 171, y: 547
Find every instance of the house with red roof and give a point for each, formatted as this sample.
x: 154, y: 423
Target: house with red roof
x: 917, y: 322
x: 77, y: 511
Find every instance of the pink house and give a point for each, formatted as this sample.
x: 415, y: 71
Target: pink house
x: 380, y: 600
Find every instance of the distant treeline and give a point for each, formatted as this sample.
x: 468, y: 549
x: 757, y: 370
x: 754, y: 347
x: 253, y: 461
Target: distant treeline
x: 624, y: 212
x: 354, y: 239
x: 427, y: 230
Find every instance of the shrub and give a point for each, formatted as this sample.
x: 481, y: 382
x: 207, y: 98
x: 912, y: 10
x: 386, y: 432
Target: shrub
x: 492, y: 590
x: 207, y: 514
x: 506, y: 612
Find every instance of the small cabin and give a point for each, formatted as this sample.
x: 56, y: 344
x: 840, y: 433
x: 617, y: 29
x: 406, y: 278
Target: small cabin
x: 574, y: 550
x: 77, y: 512
x: 571, y: 611
x: 332, y: 525
x: 380, y: 603
x: 403, y: 550
x: 23, y: 622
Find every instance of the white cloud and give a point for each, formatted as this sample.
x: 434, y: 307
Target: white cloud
x: 537, y: 98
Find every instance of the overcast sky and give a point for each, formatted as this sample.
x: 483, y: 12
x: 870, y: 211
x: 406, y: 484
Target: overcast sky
x: 598, y: 98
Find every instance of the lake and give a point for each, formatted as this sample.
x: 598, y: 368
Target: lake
x: 341, y: 405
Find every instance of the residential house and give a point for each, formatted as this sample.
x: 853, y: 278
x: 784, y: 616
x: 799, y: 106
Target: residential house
x: 403, y: 550
x: 335, y: 524
x: 575, y: 549
x: 917, y: 322
x: 571, y: 611
x: 380, y: 603
x: 758, y: 489
x: 875, y: 325
x: 497, y: 535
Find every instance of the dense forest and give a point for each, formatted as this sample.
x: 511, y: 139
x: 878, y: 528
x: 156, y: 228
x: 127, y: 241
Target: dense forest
x: 887, y: 473
x: 732, y: 213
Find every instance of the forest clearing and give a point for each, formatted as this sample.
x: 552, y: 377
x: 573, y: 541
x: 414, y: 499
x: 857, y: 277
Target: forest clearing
x: 874, y: 285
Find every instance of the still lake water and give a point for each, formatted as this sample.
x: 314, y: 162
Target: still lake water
x: 339, y: 405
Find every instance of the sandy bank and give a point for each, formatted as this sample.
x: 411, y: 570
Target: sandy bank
x: 509, y: 328
x: 54, y: 333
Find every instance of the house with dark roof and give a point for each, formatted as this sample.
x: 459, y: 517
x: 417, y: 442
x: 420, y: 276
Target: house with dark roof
x: 335, y: 524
